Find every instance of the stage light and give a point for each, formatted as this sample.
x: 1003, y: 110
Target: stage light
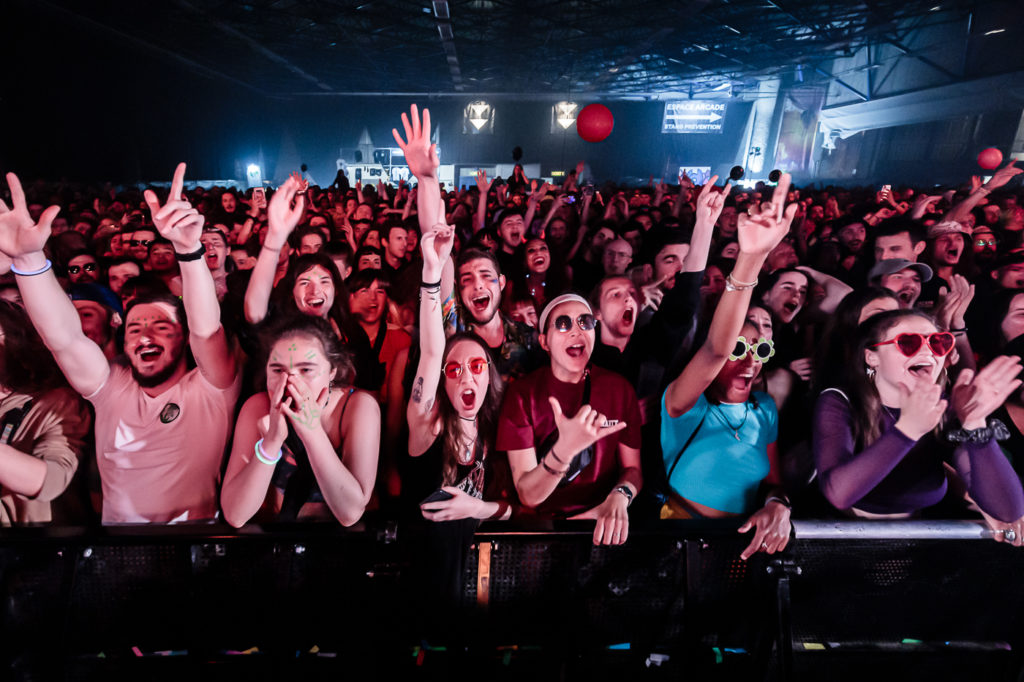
x: 565, y: 114
x: 254, y: 175
x: 479, y: 115
x: 994, y: 31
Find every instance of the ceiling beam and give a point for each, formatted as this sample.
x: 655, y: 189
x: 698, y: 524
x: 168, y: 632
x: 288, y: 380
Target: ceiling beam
x: 253, y: 44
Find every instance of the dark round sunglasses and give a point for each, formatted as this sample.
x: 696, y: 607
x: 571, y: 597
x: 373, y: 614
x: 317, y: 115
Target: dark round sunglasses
x: 586, y: 321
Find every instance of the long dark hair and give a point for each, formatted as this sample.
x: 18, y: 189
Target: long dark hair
x: 865, y: 403
x: 285, y: 299
x: 836, y: 351
x: 27, y: 367
x: 486, y: 418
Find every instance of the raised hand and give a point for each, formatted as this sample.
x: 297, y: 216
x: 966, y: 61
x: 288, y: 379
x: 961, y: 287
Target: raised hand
x: 710, y: 201
x: 483, y: 184
x: 1004, y: 175
x: 420, y: 154
x: 922, y: 204
x: 303, y: 185
x: 282, y: 215
x: 539, y: 193
x: 176, y: 220
x: 921, y: 407
x: 652, y: 293
x: 760, y: 233
x: 20, y: 236
x: 975, y: 397
x: 436, y: 245
x: 581, y: 431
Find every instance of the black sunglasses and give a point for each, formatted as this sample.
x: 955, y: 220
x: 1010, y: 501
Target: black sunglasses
x: 75, y: 269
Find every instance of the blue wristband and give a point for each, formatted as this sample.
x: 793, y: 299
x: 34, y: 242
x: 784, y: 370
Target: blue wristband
x: 40, y: 271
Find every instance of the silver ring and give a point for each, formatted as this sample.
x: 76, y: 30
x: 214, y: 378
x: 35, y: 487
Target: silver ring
x: 764, y: 545
x: 1009, y: 535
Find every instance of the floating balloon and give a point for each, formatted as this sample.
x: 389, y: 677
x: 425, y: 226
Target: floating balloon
x: 990, y: 158
x: 775, y: 175
x: 595, y: 122
x: 736, y: 173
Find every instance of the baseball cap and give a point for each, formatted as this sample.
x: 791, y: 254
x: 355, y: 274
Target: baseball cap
x: 892, y: 265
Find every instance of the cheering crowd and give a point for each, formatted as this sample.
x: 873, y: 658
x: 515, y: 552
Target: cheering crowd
x: 512, y: 351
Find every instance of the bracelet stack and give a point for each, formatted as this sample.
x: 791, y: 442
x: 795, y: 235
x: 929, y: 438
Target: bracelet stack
x: 262, y: 456
x: 733, y: 285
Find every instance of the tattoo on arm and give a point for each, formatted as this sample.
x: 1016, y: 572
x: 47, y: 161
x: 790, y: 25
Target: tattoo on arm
x: 417, y: 390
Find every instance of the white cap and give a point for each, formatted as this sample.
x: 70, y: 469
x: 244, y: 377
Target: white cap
x: 557, y: 301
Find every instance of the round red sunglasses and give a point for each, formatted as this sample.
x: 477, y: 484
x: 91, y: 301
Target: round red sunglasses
x: 453, y: 370
x: 940, y: 343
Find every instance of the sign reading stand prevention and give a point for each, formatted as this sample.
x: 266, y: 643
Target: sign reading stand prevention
x: 693, y: 116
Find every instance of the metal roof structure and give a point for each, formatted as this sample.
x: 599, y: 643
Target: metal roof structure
x: 542, y: 48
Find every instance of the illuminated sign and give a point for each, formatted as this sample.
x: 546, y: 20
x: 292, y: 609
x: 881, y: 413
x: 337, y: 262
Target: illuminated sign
x: 693, y: 116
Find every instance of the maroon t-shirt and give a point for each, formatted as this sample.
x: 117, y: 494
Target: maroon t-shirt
x: 526, y: 420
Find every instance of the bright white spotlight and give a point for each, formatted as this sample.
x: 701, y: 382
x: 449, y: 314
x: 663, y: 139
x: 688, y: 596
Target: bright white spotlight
x: 565, y: 114
x: 254, y: 175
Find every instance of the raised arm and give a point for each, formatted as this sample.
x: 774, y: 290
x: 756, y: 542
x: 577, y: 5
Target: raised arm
x: 710, y: 203
x: 481, y: 207
x: 282, y: 217
x: 53, y: 315
x: 436, y: 246
x: 757, y: 235
x: 835, y: 289
x: 999, y: 178
x: 181, y: 224
x: 533, y: 202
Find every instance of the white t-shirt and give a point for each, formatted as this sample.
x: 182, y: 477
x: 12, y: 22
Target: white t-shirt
x: 160, y: 458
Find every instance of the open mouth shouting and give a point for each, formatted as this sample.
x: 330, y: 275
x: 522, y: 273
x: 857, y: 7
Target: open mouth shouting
x: 480, y: 304
x: 468, y: 398
x: 315, y: 303
x: 628, y: 317
x: 577, y: 350
x: 906, y: 296
x: 922, y: 368
x: 150, y: 353
x: 789, y: 309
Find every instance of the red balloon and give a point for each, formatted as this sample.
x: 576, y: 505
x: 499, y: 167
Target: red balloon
x: 595, y: 122
x: 990, y: 158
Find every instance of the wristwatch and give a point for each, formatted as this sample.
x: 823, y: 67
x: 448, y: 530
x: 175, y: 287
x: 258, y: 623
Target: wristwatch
x: 627, y: 492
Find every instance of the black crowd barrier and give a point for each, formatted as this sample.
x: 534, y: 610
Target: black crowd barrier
x: 846, y: 600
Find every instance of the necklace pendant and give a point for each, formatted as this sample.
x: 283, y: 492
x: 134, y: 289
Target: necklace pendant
x: 736, y: 435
